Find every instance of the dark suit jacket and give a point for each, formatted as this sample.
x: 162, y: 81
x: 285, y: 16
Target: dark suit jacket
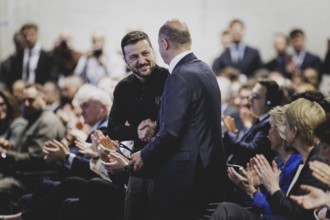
x: 80, y: 164
x: 282, y: 205
x: 326, y: 63
x: 248, y: 65
x: 45, y: 70
x: 187, y: 154
x: 253, y: 141
x: 312, y: 61
x: 279, y: 64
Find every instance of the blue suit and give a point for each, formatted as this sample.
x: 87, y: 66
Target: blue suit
x: 286, y: 176
x: 187, y: 154
x: 250, y: 62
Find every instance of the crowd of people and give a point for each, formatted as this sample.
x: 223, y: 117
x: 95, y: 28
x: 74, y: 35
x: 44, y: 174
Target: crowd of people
x: 96, y: 136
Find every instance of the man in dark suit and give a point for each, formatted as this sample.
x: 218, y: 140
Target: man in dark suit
x: 301, y: 59
x: 241, y: 147
x: 10, y: 66
x: 238, y: 55
x: 37, y: 65
x: 186, y: 155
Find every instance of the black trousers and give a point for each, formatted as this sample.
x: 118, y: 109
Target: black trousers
x: 79, y: 197
x: 138, y: 201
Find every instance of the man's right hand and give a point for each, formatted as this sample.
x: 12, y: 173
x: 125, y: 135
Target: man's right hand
x: 146, y: 130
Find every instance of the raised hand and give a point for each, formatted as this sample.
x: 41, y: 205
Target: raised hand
x: 321, y: 171
x: 117, y: 162
x: 55, y: 150
x: 86, y: 148
x: 314, y: 198
x: 269, y: 175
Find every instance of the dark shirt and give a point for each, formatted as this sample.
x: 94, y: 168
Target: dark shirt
x: 135, y: 101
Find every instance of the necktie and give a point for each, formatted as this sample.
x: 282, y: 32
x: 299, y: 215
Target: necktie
x: 27, y: 68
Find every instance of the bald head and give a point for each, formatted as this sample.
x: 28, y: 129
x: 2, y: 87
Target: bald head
x: 177, y: 32
x: 173, y: 39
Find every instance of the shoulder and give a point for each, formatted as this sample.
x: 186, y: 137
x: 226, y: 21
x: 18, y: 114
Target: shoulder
x: 18, y: 122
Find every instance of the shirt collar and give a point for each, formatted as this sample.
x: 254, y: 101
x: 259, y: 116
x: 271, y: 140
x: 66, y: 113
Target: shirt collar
x: 262, y: 117
x: 176, y: 60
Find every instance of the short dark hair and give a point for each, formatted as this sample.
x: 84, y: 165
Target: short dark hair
x: 29, y: 26
x: 133, y: 37
x: 296, y: 33
x: 322, y: 131
x: 274, y: 94
x: 234, y: 21
x: 12, y: 105
x: 314, y: 96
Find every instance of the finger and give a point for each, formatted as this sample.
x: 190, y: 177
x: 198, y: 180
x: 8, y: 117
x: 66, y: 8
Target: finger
x: 306, y: 188
x: 296, y: 199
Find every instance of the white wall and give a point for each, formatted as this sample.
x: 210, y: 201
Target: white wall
x: 206, y: 19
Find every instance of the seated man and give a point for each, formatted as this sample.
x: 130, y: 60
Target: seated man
x: 24, y: 162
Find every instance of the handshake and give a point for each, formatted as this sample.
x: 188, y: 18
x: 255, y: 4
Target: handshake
x: 146, y: 130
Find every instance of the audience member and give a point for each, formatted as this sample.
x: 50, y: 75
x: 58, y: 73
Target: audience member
x: 228, y: 110
x: 240, y: 147
x: 17, y: 89
x: 279, y: 63
x: 238, y: 55
x: 225, y: 39
x: 310, y: 75
x: 66, y: 57
x: 302, y: 117
x: 24, y: 161
x: 12, y: 123
x: 316, y: 198
x: 12, y: 66
x: 97, y: 64
x: 326, y: 62
x: 53, y: 95
x: 249, y: 181
x: 37, y: 65
x: 108, y: 84
x: 301, y: 59
x: 186, y: 155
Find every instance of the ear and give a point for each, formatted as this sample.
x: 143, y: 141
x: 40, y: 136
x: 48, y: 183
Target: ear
x: 295, y: 130
x: 164, y: 43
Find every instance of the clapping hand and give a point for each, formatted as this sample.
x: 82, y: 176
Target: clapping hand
x: 321, y: 171
x: 55, y: 150
x: 269, y: 175
x: 117, y: 162
x: 86, y: 148
x: 314, y: 199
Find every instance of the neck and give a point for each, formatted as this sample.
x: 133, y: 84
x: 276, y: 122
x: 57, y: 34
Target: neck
x: 303, y: 149
x: 285, y: 155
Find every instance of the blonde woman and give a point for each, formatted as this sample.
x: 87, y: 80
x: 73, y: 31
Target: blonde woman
x: 302, y: 117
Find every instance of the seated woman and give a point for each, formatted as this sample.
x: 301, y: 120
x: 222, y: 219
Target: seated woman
x: 249, y: 181
x: 302, y: 116
x: 316, y: 198
x: 11, y: 121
